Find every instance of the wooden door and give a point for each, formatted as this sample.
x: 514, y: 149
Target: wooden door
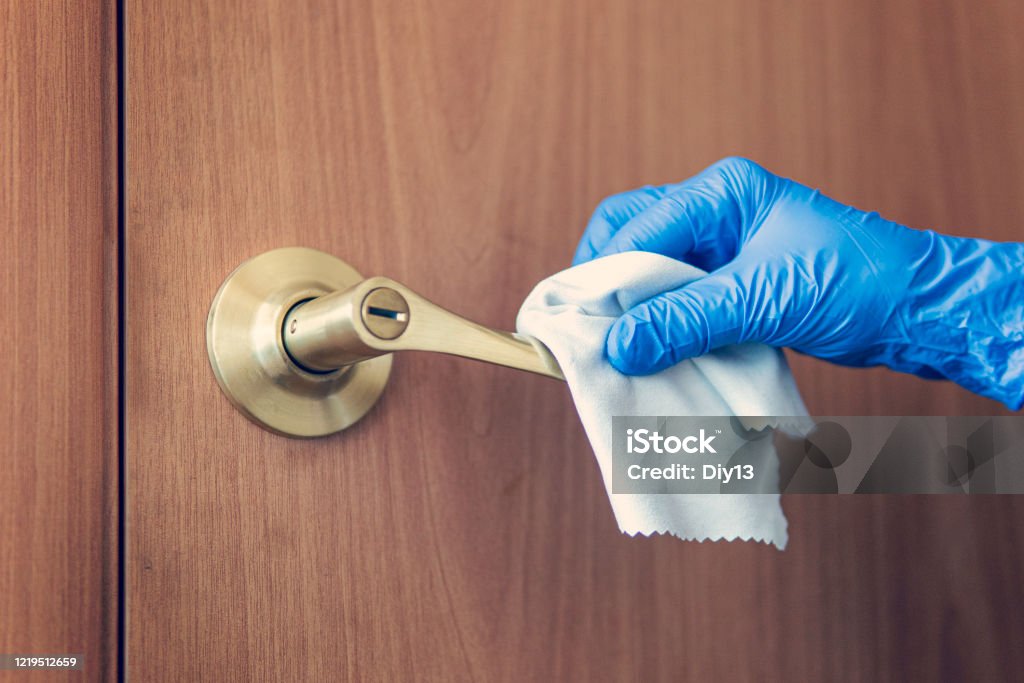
x: 460, y: 531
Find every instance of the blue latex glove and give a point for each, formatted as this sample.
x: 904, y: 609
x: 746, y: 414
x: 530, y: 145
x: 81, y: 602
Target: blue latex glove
x: 790, y: 267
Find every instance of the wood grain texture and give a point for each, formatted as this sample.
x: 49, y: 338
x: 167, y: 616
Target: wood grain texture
x: 58, y: 372
x: 461, y: 532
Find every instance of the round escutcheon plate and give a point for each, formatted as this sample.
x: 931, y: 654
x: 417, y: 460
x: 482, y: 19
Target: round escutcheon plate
x: 243, y: 338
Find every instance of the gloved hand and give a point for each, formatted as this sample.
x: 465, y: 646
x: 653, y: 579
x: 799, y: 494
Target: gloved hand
x: 791, y: 267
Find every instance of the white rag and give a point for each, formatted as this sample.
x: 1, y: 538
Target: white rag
x: 571, y: 313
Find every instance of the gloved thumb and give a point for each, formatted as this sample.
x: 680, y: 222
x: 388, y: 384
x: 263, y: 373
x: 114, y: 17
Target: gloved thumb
x: 690, y: 321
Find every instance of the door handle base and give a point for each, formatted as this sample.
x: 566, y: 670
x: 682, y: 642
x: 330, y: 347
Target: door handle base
x: 255, y: 372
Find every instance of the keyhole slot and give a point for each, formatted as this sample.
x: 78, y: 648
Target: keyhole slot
x: 400, y: 316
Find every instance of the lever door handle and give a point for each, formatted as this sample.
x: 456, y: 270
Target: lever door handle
x: 302, y: 344
x: 379, y: 316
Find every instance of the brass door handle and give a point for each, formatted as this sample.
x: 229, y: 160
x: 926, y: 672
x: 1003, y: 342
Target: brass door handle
x: 379, y: 316
x: 302, y: 344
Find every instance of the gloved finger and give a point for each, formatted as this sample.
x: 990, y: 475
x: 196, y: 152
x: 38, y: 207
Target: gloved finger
x: 690, y: 321
x: 611, y: 214
x: 701, y: 221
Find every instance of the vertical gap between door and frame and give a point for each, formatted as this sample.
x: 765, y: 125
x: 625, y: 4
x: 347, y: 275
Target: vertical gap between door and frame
x: 122, y: 502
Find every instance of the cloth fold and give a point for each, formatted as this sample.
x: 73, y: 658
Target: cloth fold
x: 571, y: 313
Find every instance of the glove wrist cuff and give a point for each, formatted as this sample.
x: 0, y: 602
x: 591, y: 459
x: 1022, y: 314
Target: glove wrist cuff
x: 966, y: 316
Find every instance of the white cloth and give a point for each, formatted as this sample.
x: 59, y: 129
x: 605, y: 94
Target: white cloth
x: 571, y: 312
